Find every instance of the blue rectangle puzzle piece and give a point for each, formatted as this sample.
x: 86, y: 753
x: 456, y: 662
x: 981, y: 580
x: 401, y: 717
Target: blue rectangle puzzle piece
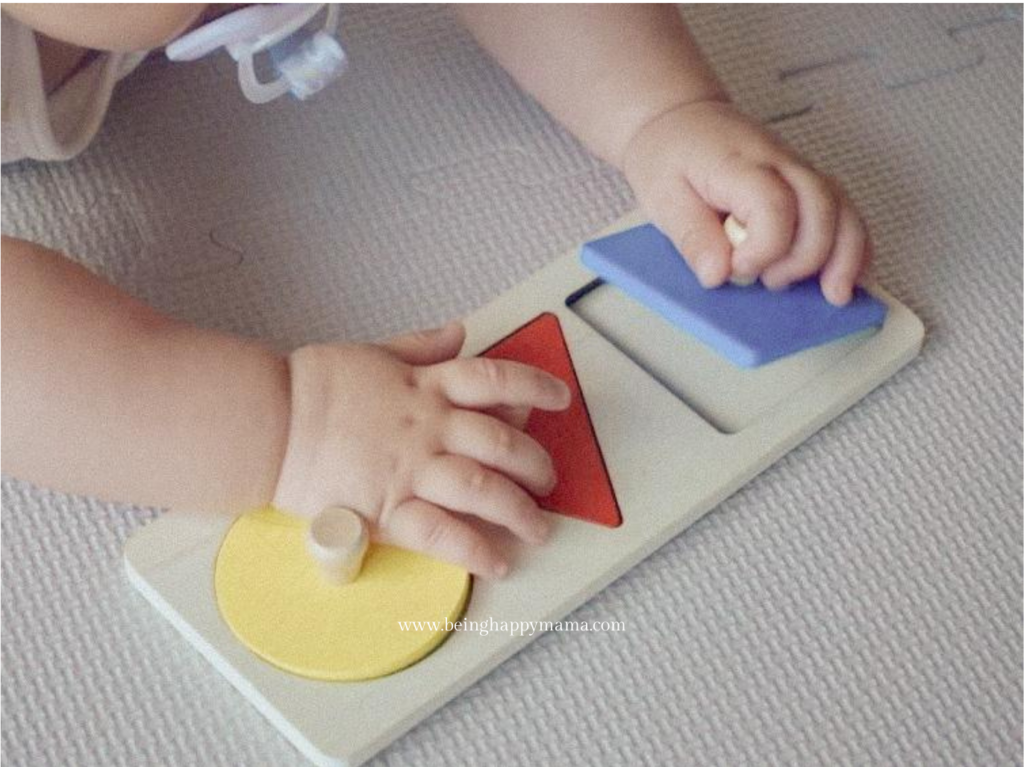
x: 748, y: 325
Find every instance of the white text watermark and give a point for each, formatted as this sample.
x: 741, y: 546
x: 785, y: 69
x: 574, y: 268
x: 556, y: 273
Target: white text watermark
x: 511, y: 628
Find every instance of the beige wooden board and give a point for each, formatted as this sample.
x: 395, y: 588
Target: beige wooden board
x: 677, y: 440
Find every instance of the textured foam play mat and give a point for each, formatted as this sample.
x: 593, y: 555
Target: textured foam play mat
x: 860, y: 602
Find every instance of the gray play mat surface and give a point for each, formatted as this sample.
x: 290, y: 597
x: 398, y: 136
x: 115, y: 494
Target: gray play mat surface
x: 859, y: 603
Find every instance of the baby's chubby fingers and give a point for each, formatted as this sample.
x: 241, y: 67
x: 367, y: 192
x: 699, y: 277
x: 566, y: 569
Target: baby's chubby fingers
x: 818, y: 204
x: 695, y: 230
x: 766, y: 205
x: 481, y: 382
x: 517, y: 417
x: 421, y: 526
x: 461, y: 484
x: 428, y: 347
x: 849, y: 257
x: 499, y: 446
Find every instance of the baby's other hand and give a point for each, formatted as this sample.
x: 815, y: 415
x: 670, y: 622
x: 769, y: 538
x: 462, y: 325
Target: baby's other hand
x: 699, y: 161
x: 411, y: 438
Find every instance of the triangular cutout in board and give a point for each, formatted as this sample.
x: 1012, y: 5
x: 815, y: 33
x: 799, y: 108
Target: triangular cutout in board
x: 584, y: 490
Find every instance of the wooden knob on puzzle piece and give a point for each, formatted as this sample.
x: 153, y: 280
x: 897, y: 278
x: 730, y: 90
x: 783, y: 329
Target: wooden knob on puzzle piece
x: 338, y: 539
x: 736, y: 234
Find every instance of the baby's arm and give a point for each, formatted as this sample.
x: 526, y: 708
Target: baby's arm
x: 629, y: 81
x: 102, y: 395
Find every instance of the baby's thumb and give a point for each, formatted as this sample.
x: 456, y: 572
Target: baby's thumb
x: 428, y: 347
x: 696, y: 231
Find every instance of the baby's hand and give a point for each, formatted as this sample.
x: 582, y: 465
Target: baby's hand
x: 701, y: 160
x: 405, y: 434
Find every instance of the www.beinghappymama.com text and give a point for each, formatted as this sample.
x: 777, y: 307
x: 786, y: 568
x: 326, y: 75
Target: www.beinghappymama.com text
x: 511, y: 628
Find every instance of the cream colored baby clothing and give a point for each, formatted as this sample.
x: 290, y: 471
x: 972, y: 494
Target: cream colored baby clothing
x: 58, y: 125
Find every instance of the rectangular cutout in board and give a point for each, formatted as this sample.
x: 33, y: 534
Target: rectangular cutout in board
x: 728, y: 397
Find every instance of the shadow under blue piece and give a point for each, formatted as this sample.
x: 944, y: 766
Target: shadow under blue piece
x: 748, y: 325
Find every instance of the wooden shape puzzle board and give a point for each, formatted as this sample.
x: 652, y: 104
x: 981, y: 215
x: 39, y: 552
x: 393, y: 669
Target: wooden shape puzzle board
x: 679, y: 430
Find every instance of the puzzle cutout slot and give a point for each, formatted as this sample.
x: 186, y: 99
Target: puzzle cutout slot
x: 727, y: 397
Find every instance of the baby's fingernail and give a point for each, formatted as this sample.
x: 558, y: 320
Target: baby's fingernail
x: 742, y: 280
x: 564, y: 392
x: 838, y: 296
x: 707, y: 272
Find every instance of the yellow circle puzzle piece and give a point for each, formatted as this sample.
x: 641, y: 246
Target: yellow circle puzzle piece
x: 273, y: 596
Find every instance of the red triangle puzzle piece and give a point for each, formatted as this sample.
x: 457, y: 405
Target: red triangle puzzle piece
x: 584, y: 490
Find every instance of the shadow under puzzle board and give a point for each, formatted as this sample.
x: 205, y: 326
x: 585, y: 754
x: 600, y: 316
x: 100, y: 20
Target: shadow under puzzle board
x: 677, y: 429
